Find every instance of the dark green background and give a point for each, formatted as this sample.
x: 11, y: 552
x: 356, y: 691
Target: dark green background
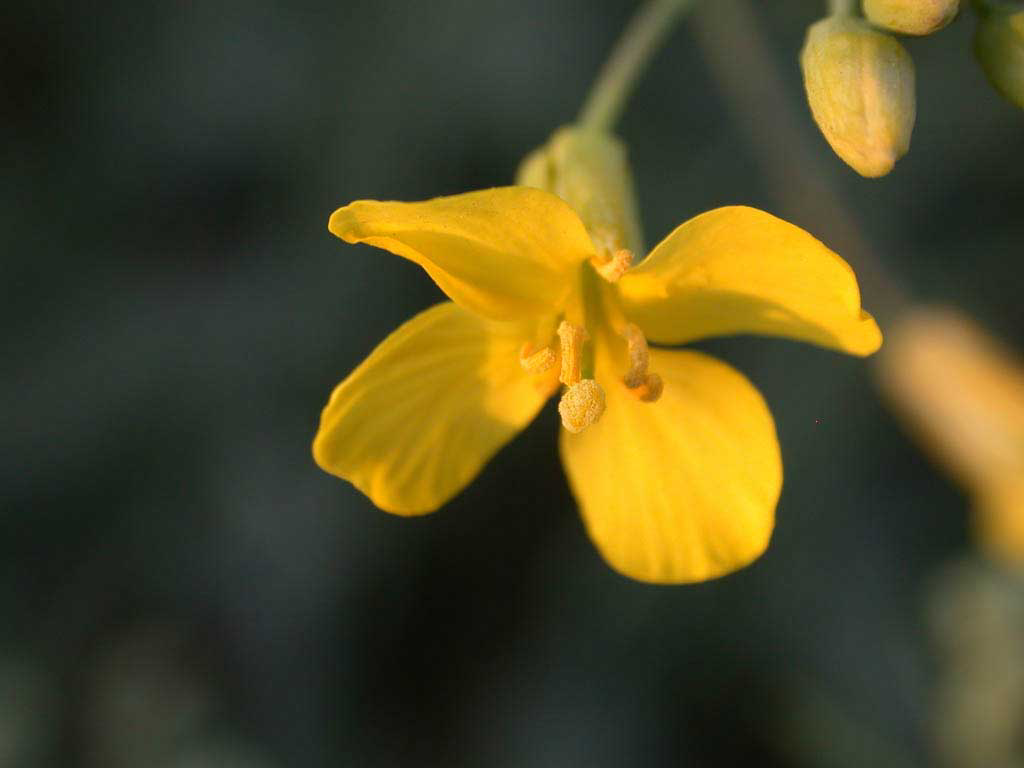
x: 181, y: 586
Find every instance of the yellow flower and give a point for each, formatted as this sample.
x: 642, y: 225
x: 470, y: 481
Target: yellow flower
x: 671, y: 454
x: 963, y: 394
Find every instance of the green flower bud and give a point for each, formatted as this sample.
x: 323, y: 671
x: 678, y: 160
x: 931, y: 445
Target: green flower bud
x: 589, y: 170
x: 911, y: 17
x: 999, y: 46
x: 860, y: 87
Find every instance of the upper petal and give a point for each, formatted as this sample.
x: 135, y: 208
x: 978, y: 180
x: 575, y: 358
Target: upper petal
x: 683, y: 489
x: 418, y: 419
x: 502, y: 253
x: 741, y: 270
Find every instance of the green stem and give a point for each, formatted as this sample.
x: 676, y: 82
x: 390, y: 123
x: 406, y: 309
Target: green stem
x: 841, y: 7
x: 643, y: 36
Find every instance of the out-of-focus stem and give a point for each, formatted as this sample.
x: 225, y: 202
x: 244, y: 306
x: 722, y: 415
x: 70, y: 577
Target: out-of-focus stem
x: 752, y: 84
x: 841, y: 7
x: 642, y: 37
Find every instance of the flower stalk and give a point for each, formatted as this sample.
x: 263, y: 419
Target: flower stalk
x: 641, y: 39
x: 841, y: 7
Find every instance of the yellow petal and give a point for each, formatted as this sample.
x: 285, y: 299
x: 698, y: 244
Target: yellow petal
x: 741, y: 270
x: 418, y: 419
x: 503, y: 253
x: 683, y: 489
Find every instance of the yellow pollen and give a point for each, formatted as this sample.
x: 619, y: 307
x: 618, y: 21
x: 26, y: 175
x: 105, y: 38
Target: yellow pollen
x: 571, y: 338
x: 615, y: 266
x: 581, y: 405
x: 539, y: 361
x: 646, y: 386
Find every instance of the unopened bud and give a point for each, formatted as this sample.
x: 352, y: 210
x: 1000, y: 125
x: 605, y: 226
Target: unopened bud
x: 911, y: 17
x: 999, y: 46
x: 589, y: 170
x: 860, y: 87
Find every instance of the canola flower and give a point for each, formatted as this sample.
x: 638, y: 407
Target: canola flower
x: 672, y: 455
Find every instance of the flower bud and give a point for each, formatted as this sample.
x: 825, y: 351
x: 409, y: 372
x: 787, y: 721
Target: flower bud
x: 590, y: 171
x: 999, y: 46
x: 860, y: 87
x: 911, y: 17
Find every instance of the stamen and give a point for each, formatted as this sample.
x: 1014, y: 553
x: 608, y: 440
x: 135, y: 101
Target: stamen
x: 572, y: 338
x: 537, y: 362
x: 639, y: 358
x: 615, y: 266
x: 581, y: 405
x: 650, y: 390
x: 646, y: 386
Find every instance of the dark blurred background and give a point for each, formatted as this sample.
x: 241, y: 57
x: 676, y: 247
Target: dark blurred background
x: 181, y: 586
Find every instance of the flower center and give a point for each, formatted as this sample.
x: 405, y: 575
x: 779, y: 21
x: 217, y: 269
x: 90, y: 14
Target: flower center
x: 583, y: 401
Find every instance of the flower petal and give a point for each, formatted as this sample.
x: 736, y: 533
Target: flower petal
x: 741, y: 270
x: 503, y: 253
x: 418, y: 419
x: 683, y: 489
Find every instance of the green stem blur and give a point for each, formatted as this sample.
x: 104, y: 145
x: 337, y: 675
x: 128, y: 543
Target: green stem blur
x: 643, y: 36
x: 841, y: 7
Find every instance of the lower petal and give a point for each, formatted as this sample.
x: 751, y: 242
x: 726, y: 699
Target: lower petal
x: 684, y: 489
x: 419, y: 418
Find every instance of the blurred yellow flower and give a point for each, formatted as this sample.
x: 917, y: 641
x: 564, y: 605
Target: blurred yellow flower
x: 963, y: 394
x: 672, y: 455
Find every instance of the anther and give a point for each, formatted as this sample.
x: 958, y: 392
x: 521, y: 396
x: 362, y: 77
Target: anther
x: 539, y: 361
x: 651, y: 388
x: 639, y: 358
x: 581, y: 405
x: 571, y: 338
x: 615, y: 266
x: 646, y: 386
